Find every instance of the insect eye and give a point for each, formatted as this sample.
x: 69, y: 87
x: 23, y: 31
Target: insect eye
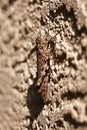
x: 40, y: 48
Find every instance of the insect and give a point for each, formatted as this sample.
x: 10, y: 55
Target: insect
x: 43, y: 67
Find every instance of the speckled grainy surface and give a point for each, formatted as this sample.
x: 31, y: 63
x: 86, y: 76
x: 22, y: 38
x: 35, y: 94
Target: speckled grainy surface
x: 21, y: 106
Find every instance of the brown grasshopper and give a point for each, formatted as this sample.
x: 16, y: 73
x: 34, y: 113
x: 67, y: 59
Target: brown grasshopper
x: 43, y: 67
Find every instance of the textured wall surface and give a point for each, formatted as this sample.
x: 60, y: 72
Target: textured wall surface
x: 64, y: 26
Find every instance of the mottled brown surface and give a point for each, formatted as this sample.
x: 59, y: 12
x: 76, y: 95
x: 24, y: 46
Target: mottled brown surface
x: 21, y: 105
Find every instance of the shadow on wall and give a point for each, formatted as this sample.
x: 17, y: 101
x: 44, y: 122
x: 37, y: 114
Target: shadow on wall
x: 34, y: 102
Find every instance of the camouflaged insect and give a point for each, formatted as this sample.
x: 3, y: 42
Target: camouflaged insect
x: 43, y: 67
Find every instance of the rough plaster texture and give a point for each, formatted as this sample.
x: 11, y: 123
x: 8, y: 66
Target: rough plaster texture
x: 21, y: 106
